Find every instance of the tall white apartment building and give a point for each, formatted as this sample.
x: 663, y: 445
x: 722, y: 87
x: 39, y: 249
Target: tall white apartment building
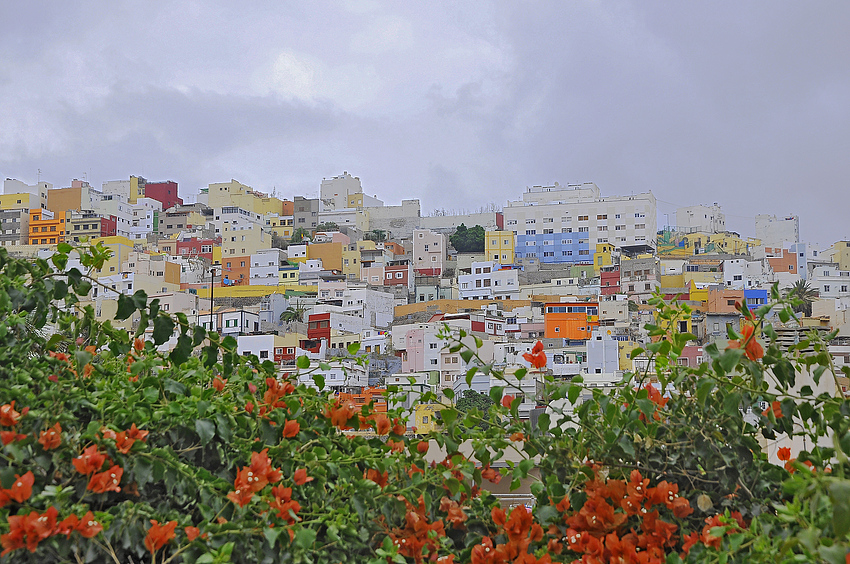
x: 563, y: 224
x: 775, y: 231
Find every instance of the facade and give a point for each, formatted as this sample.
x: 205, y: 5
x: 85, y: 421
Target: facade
x: 499, y: 246
x: 429, y: 252
x: 46, y: 227
x: 700, y: 218
x: 556, y: 224
x: 574, y: 321
x: 14, y: 227
x: 164, y: 192
x: 776, y: 231
x: 306, y: 213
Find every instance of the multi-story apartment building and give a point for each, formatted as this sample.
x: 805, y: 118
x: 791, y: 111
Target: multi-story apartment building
x: 700, y: 219
x: 429, y: 252
x: 163, y: 192
x: 22, y: 196
x: 488, y: 281
x: 775, y: 231
x: 14, y: 227
x: 557, y: 224
x: 306, y: 213
x: 266, y: 265
x: 89, y: 225
x: 46, y: 227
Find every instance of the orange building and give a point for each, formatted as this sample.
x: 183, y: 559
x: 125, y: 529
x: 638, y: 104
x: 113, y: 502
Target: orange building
x: 570, y: 320
x: 46, y: 227
x: 235, y: 270
x: 722, y: 300
x: 781, y: 260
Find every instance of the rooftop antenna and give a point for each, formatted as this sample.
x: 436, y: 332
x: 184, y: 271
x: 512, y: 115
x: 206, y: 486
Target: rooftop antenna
x: 38, y: 178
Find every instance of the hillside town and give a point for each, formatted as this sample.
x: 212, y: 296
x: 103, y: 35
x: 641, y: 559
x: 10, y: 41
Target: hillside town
x: 563, y: 264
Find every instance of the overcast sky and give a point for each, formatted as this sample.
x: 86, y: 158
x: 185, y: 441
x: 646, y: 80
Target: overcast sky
x: 459, y: 104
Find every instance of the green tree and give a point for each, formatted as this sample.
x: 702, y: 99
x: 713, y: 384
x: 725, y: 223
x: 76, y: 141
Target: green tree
x: 377, y: 235
x: 327, y: 226
x: 295, y: 312
x: 300, y: 235
x: 468, y: 240
x: 477, y: 404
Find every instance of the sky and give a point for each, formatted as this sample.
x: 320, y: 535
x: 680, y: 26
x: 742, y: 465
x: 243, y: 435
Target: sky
x: 458, y: 104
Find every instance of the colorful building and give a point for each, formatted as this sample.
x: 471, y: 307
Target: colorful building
x: 46, y: 227
x: 570, y: 320
x: 499, y: 246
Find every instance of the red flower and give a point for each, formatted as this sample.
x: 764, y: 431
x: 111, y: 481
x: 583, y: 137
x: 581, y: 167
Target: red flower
x: 752, y: 349
x: 249, y: 407
x: 159, y: 535
x: 68, y: 525
x: 784, y: 453
x: 291, y: 428
x: 262, y: 471
x: 252, y: 388
x: 564, y: 505
x: 8, y: 416
x: 21, y: 489
x: 422, y: 447
x: 395, y: 446
x: 11, y: 437
x: 506, y: 401
x: 192, y: 533
x: 123, y: 443
x: 138, y: 345
x: 218, y: 383
x: 88, y: 527
x: 242, y: 495
x: 90, y: 461
x: 106, y: 481
x: 775, y: 408
x: 536, y: 357
x: 300, y: 477
x: 517, y: 437
x: 285, y: 506
x: 51, y: 438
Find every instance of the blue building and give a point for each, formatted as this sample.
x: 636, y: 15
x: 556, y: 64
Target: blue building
x: 554, y: 248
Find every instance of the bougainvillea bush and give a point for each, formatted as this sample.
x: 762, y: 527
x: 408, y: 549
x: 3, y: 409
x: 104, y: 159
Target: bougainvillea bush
x: 114, y: 452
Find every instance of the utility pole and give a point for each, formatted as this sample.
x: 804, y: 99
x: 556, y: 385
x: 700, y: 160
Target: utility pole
x: 212, y: 295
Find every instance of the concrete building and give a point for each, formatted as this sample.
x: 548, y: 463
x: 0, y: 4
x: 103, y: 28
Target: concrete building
x: 499, y: 246
x: 398, y: 222
x: 306, y: 213
x: 14, y: 227
x: 777, y: 231
x: 487, y: 280
x: 448, y: 224
x: 265, y: 267
x: 429, y: 252
x: 20, y: 195
x: 564, y: 224
x: 700, y: 218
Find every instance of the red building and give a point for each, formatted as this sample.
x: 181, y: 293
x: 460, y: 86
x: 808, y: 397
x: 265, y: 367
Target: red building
x: 398, y: 275
x: 319, y: 327
x: 609, y: 280
x: 108, y: 226
x: 197, y: 247
x: 165, y: 192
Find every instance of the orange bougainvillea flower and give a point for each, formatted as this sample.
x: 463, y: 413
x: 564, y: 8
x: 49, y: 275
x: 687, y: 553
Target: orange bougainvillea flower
x: 300, y: 477
x: 106, y: 481
x: 491, y: 474
x: 291, y: 428
x: 7, y: 437
x: 422, y: 447
x: 21, y: 489
x: 159, y: 535
x: 784, y: 453
x: 138, y: 345
x: 286, y: 507
x: 138, y: 434
x: 377, y: 477
x: 752, y: 349
x: 537, y: 357
x: 219, y: 384
x: 506, y: 401
x: 8, y: 416
x: 192, y: 533
x: 90, y: 461
x: 517, y: 437
x: 775, y: 408
x: 382, y: 424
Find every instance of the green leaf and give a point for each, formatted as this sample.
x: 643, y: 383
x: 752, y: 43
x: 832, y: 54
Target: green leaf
x: 573, y: 393
x: 271, y: 534
x: 704, y: 389
x: 448, y: 416
x: 319, y: 380
x: 305, y: 538
x: 126, y: 307
x: 182, y: 350
x: 467, y: 355
x: 198, y: 335
x: 353, y: 348
x: 143, y: 470
x: 839, y: 493
x: 303, y: 362
x: 496, y: 393
x: 163, y: 328
x: 205, y: 429
x: 730, y: 359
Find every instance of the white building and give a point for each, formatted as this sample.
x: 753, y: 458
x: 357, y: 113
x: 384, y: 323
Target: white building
x: 265, y: 267
x: 701, y: 219
x: 830, y: 282
x: 741, y: 273
x: 564, y: 224
x: 37, y: 193
x: 487, y: 281
x: 777, y: 231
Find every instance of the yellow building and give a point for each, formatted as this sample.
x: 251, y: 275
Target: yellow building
x: 234, y: 193
x: 499, y: 246
x: 121, y: 248
x: 351, y: 263
x: 18, y: 201
x: 425, y: 417
x: 137, y: 188
x: 288, y: 276
x: 679, y: 244
x: 603, y: 257
x: 236, y: 242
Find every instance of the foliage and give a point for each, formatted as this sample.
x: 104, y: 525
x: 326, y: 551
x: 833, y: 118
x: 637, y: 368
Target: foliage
x: 377, y: 235
x: 469, y: 240
x: 803, y: 295
x: 300, y: 235
x: 293, y: 313
x: 115, y: 451
x: 327, y: 226
x: 476, y: 403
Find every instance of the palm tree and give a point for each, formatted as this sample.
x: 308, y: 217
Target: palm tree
x: 293, y: 313
x: 803, y: 294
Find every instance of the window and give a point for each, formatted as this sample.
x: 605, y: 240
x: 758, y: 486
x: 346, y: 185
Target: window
x: 582, y: 229
x: 640, y: 226
x: 399, y: 275
x: 548, y: 220
x: 530, y: 221
x: 692, y: 268
x: 264, y: 354
x: 603, y: 216
x: 584, y: 252
x: 730, y: 302
x: 548, y: 231
x: 582, y: 218
x: 432, y: 345
x: 433, y: 361
x: 826, y: 288
x: 566, y: 253
x: 602, y: 228
x: 530, y: 232
x: 566, y: 230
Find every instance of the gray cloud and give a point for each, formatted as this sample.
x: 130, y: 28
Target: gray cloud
x: 744, y: 105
